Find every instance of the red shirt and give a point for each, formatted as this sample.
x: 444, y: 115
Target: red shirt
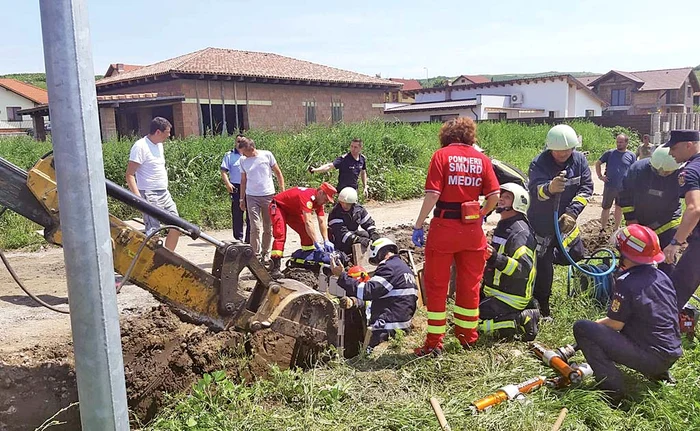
x: 459, y: 173
x: 298, y: 200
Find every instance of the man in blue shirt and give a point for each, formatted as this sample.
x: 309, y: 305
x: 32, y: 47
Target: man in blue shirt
x: 641, y: 330
x: 684, y: 146
x: 351, y: 167
x: 617, y: 163
x: 231, y: 176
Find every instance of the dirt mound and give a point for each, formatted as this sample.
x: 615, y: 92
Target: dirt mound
x: 401, y: 235
x: 593, y: 238
x: 161, y: 354
x: 302, y: 275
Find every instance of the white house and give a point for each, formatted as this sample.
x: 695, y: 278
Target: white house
x: 560, y: 96
x: 15, y: 96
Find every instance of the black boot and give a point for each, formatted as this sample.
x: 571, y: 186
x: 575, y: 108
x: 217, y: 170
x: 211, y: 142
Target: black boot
x: 276, y: 264
x: 528, y: 322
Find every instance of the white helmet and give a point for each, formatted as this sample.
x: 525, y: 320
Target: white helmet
x: 661, y: 160
x: 348, y: 196
x: 562, y: 137
x: 521, y: 198
x: 379, y: 248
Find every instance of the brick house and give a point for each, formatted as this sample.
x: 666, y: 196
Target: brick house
x: 215, y: 90
x: 403, y: 94
x: 638, y: 93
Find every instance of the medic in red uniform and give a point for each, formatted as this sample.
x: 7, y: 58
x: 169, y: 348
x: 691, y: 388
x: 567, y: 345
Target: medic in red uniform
x: 294, y: 207
x: 458, y: 175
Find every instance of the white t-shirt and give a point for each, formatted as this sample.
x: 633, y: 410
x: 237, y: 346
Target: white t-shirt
x: 258, y: 171
x: 151, y: 175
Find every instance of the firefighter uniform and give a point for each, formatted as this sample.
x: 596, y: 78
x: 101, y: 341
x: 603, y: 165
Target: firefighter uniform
x: 645, y: 301
x: 459, y: 174
x: 344, y: 227
x: 652, y: 200
x: 572, y: 201
x: 686, y: 276
x: 287, y: 208
x: 393, y: 292
x: 509, y: 277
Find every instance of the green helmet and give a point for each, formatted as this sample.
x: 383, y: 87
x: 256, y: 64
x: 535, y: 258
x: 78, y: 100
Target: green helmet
x: 562, y: 137
x: 661, y: 160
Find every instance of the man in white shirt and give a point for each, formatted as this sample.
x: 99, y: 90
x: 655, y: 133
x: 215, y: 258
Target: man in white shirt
x: 257, y: 191
x: 146, y: 176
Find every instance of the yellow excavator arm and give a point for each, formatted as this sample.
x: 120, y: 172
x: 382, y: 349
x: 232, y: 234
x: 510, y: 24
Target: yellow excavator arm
x: 282, y: 308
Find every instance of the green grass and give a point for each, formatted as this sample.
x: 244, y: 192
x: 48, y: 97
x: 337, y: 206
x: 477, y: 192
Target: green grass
x: 390, y: 390
x: 397, y: 154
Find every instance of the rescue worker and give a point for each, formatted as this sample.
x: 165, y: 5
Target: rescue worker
x: 641, y: 330
x: 294, y: 207
x: 345, y: 220
x: 506, y: 308
x: 649, y: 197
x: 392, y: 290
x: 558, y: 176
x: 351, y: 166
x: 684, y: 146
x: 458, y: 174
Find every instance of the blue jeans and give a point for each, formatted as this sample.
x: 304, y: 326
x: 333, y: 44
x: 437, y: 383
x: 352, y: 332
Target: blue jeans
x: 237, y: 216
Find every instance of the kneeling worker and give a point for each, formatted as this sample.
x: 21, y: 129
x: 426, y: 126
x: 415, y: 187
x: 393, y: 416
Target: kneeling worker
x: 507, y: 307
x: 392, y: 290
x: 294, y: 207
x: 345, y: 220
x: 641, y: 330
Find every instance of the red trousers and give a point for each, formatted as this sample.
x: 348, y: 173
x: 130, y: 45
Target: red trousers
x: 280, y: 220
x: 453, y: 241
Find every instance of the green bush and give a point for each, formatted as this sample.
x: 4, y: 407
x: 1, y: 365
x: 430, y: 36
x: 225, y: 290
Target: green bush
x: 397, y: 155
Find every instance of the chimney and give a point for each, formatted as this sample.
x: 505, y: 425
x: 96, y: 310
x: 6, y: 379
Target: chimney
x: 120, y: 68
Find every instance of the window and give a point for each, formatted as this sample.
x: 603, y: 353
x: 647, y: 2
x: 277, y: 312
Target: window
x: 442, y: 118
x: 590, y: 113
x: 310, y: 112
x: 669, y: 97
x: 336, y: 111
x: 12, y: 114
x: 690, y: 92
x: 617, y: 98
x: 552, y: 114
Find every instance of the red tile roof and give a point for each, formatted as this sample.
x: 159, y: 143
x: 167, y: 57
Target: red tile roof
x: 229, y: 62
x: 663, y: 79
x: 28, y: 91
x: 408, y: 84
x: 586, y: 80
x: 476, y: 79
x: 114, y: 67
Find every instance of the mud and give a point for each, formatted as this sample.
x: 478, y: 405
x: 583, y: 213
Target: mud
x: 161, y: 355
x: 302, y: 275
x: 592, y: 237
x: 401, y: 235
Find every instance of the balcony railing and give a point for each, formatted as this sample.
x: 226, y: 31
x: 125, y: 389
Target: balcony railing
x: 27, y: 124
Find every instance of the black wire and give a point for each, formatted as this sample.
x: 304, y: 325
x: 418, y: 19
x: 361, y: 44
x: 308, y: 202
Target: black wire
x: 126, y: 276
x: 23, y: 287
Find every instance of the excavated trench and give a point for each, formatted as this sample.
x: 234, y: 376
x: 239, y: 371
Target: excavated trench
x: 162, y: 354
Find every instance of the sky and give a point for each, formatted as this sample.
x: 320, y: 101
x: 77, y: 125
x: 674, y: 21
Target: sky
x: 398, y: 39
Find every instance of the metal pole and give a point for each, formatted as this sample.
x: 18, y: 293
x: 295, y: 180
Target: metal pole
x: 83, y: 212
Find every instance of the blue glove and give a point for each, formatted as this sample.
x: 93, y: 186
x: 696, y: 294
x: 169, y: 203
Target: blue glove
x: 318, y: 246
x: 418, y: 237
x: 328, y: 246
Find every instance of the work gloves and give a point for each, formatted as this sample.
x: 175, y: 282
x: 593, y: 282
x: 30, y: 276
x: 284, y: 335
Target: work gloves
x: 418, y: 237
x: 558, y: 183
x: 328, y: 246
x: 567, y: 223
x: 375, y: 236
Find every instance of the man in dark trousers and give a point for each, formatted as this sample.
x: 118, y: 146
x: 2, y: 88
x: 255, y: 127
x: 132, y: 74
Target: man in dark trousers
x: 684, y: 146
x: 351, y: 166
x: 649, y: 197
x: 350, y: 223
x: 392, y: 290
x: 558, y: 175
x: 617, y: 163
x: 506, y: 308
x: 231, y: 177
x: 641, y: 330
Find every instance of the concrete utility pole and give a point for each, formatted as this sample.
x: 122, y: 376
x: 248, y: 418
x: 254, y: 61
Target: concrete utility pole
x: 84, y: 217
